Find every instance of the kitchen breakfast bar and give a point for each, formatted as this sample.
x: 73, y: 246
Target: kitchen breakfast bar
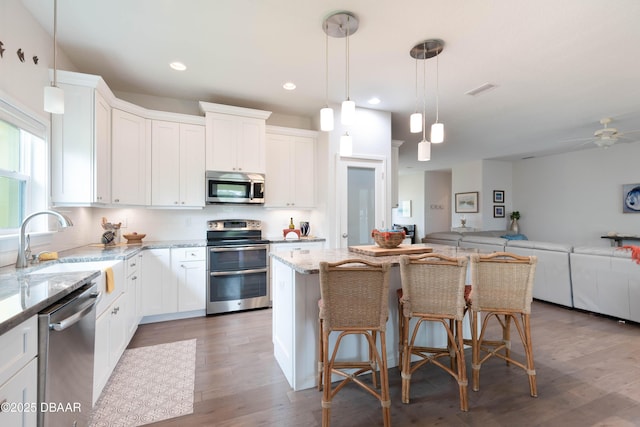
x: 295, y: 285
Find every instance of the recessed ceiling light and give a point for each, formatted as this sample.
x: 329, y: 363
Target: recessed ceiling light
x: 289, y: 86
x: 178, y: 66
x: 374, y: 101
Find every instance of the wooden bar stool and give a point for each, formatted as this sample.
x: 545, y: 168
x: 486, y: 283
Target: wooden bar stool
x: 433, y: 291
x: 502, y: 290
x: 355, y: 299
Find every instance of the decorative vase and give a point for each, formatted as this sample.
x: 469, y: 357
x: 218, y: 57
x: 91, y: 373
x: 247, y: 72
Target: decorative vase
x: 304, y: 228
x: 514, y: 226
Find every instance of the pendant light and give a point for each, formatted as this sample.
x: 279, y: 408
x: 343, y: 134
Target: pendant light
x: 415, y: 121
x: 346, y: 145
x: 344, y: 24
x: 326, y: 114
x: 437, y: 129
x: 425, y: 50
x: 53, y: 95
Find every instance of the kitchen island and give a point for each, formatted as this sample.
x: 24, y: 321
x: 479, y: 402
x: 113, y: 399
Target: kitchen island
x: 296, y: 290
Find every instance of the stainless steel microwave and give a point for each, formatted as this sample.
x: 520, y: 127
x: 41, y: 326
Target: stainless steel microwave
x: 234, y: 187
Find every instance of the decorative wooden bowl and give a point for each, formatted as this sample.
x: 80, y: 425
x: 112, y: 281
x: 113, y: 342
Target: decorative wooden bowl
x: 388, y: 239
x: 134, y: 238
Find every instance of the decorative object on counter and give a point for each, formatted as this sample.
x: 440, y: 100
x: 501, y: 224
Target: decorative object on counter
x: 305, y: 228
x: 635, y: 252
x: 388, y: 239
x: 134, y: 238
x: 115, y: 228
x: 515, y: 216
x: 373, y: 250
x: 291, y: 234
x: 291, y: 226
x: 463, y: 221
x: 108, y: 238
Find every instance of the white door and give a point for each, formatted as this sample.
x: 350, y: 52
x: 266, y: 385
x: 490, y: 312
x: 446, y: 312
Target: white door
x: 361, y: 204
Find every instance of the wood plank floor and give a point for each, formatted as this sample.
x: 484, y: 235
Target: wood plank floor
x: 588, y: 371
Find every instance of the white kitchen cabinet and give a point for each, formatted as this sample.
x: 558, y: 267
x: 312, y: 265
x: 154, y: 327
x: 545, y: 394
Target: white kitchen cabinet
x: 111, y: 341
x: 290, y: 168
x: 296, y: 245
x: 21, y: 390
x: 177, y: 164
x: 189, y: 267
x: 19, y: 374
x: 159, y: 285
x: 235, y: 138
x: 131, y: 159
x: 81, y: 147
x: 133, y: 291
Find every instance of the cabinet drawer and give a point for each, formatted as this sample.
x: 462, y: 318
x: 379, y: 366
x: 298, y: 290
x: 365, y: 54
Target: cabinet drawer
x: 189, y: 254
x: 20, y: 392
x: 17, y: 347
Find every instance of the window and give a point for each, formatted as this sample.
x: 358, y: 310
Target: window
x: 23, y: 167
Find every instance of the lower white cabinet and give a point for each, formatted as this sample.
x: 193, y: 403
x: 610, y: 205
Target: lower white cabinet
x: 19, y: 374
x: 133, y: 292
x: 296, y: 245
x: 159, y: 286
x: 189, y: 267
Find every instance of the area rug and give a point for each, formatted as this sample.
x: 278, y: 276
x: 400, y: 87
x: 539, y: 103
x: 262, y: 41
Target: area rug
x: 148, y: 384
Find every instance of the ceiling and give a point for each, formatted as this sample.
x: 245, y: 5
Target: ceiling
x: 558, y: 66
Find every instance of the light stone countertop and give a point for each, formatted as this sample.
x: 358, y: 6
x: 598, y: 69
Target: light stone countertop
x: 308, y: 261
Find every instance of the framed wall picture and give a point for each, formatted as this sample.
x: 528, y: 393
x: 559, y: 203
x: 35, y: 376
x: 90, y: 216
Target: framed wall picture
x: 498, y: 211
x: 631, y: 198
x: 498, y: 196
x: 467, y: 202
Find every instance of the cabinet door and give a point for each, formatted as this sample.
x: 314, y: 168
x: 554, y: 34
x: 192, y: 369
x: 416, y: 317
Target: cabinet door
x: 191, y: 285
x: 21, y: 389
x: 131, y: 175
x: 101, y: 367
x: 278, y: 173
x: 250, y: 147
x: 102, y: 121
x: 222, y: 131
x: 72, y: 145
x: 159, y: 288
x: 165, y: 163
x: 192, y: 142
x: 117, y: 329
x: 304, y: 174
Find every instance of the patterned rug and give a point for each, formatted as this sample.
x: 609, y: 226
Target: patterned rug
x: 149, y: 384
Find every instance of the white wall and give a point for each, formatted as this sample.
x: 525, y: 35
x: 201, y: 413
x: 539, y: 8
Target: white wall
x: 411, y: 187
x: 438, y: 202
x: 576, y: 197
x: 466, y: 178
x: 496, y: 175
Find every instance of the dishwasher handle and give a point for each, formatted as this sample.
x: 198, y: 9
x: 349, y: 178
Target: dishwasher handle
x: 78, y: 315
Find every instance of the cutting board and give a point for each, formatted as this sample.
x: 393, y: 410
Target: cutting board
x: 373, y: 250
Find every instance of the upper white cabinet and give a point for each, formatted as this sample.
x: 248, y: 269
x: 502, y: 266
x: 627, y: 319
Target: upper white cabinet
x: 81, y: 143
x: 235, y: 139
x: 130, y: 180
x: 177, y: 164
x: 290, y: 171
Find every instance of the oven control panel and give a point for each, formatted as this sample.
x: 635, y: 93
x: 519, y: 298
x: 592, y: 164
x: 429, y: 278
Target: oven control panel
x: 234, y: 224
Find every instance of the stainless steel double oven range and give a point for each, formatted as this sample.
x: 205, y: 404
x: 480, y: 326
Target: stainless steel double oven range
x: 237, y: 266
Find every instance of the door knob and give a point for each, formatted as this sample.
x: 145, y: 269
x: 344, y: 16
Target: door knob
x: 344, y: 235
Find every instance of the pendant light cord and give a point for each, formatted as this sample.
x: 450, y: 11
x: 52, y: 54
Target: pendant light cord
x: 437, y: 85
x: 326, y: 62
x: 55, y: 44
x: 347, y: 59
x: 424, y: 93
x: 416, y: 108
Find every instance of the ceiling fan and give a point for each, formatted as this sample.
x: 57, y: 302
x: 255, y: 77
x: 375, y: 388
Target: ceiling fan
x: 607, y: 136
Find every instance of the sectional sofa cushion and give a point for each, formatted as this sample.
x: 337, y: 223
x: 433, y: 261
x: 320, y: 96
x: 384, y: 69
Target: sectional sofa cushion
x: 608, y: 251
x: 534, y: 244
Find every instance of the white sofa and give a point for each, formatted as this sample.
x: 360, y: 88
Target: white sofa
x: 483, y: 243
x: 553, y: 273
x: 606, y: 281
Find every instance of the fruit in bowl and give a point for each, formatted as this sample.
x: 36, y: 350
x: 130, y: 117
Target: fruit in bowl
x: 134, y: 238
x: 388, y: 239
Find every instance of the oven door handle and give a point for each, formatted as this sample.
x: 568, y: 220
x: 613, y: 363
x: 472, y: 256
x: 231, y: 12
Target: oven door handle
x: 239, y: 248
x: 235, y: 273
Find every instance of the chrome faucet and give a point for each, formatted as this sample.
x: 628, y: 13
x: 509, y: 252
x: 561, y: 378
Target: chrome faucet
x: 64, y: 221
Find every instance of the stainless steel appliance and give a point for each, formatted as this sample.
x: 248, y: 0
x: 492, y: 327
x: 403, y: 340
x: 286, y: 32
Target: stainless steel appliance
x: 234, y: 187
x: 237, y: 266
x: 66, y: 340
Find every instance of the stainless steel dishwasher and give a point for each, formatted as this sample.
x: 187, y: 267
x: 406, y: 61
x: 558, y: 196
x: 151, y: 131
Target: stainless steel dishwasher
x: 66, y: 340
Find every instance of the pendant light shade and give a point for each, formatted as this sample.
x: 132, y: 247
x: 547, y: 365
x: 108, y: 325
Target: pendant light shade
x: 53, y: 100
x: 424, y: 151
x: 437, y: 133
x: 326, y: 119
x: 53, y: 95
x: 346, y: 145
x: 348, y: 112
x: 415, y: 123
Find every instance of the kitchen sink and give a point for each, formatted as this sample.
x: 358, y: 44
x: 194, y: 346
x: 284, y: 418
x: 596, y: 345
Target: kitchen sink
x: 67, y: 267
